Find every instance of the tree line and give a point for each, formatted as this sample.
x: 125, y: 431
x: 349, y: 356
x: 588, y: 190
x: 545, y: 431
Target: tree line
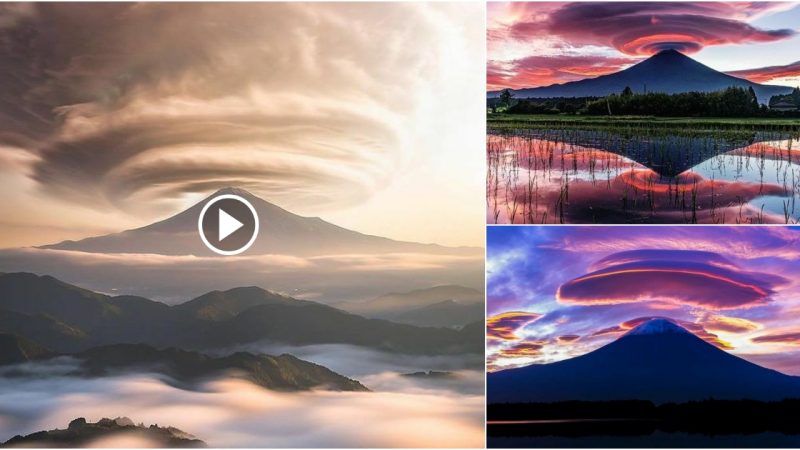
x: 730, y: 102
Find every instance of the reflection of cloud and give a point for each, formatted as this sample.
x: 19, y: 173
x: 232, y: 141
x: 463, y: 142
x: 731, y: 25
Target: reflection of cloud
x: 697, y: 279
x: 780, y: 338
x: 769, y: 73
x: 234, y: 413
x: 503, y: 326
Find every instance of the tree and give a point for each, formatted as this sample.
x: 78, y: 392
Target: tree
x: 505, y: 97
x: 627, y: 92
x: 754, y: 99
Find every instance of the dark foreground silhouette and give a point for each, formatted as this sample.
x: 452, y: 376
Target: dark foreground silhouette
x: 643, y: 419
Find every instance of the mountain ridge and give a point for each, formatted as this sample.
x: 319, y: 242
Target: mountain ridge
x: 668, y: 71
x: 282, y: 232
x: 657, y: 364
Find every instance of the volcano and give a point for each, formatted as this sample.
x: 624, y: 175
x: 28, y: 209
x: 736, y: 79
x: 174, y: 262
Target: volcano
x: 282, y: 232
x: 658, y: 361
x: 668, y: 71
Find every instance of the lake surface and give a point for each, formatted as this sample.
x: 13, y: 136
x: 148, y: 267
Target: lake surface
x: 599, y: 176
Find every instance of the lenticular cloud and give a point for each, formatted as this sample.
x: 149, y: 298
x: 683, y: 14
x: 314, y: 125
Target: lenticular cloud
x: 700, y: 279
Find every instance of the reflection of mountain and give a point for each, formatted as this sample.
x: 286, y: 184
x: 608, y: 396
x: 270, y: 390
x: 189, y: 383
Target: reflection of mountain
x: 66, y: 318
x: 668, y: 71
x: 668, y: 154
x: 446, y: 306
x: 658, y: 361
x: 81, y: 433
x: 281, y: 233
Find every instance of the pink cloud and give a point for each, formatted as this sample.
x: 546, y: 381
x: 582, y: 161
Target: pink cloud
x: 769, y: 73
x: 645, y: 28
x: 683, y: 278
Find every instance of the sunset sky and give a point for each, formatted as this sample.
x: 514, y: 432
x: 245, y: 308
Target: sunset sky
x: 543, y: 43
x: 370, y: 116
x: 559, y: 292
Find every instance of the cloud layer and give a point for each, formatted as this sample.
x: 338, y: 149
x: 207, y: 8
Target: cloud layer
x: 692, y: 278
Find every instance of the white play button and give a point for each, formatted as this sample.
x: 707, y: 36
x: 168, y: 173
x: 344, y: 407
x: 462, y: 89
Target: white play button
x: 227, y: 224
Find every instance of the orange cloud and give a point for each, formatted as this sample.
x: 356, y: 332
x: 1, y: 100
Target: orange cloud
x: 523, y: 349
x: 730, y: 324
x: 503, y: 326
x: 769, y: 73
x: 568, y: 338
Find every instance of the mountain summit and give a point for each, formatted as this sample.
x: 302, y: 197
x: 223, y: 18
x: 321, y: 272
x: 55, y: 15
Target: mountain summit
x: 668, y: 71
x: 657, y: 361
x: 657, y: 326
x: 282, y: 232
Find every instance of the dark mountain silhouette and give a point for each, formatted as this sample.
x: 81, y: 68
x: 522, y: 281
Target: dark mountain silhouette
x: 15, y: 349
x: 386, y: 306
x: 282, y: 373
x: 281, y: 232
x: 67, y: 319
x: 657, y: 361
x: 447, y: 313
x: 81, y: 433
x: 668, y: 71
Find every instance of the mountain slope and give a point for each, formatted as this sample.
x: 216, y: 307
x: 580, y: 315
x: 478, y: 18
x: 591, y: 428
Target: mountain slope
x: 390, y: 305
x: 657, y: 361
x: 63, y: 317
x: 15, y: 349
x: 447, y: 313
x: 282, y: 373
x: 668, y: 71
x: 281, y: 232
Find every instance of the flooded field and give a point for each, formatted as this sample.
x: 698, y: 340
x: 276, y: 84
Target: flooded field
x: 642, y: 175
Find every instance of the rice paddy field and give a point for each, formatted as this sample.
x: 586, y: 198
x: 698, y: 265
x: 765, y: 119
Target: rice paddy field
x: 581, y: 169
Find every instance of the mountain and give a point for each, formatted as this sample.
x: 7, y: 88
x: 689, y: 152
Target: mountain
x: 282, y: 373
x: 281, y: 232
x: 81, y: 433
x: 15, y: 349
x: 389, y: 305
x: 447, y: 313
x: 69, y: 319
x: 668, y: 71
x: 657, y: 361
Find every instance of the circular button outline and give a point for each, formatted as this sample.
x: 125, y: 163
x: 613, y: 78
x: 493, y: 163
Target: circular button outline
x: 203, y: 235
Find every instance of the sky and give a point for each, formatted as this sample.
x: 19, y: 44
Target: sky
x: 558, y: 292
x: 114, y: 116
x: 532, y: 44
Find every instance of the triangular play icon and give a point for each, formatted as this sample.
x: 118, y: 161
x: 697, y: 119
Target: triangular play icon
x: 227, y: 224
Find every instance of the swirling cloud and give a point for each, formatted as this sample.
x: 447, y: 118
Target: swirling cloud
x: 694, y: 279
x: 645, y: 28
x: 305, y: 104
x: 503, y: 326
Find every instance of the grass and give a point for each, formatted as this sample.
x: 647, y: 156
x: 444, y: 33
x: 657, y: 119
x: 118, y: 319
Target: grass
x: 682, y: 123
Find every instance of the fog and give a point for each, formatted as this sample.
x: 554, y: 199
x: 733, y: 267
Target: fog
x: 235, y: 413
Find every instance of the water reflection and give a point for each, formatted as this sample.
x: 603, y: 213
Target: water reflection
x: 556, y: 176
